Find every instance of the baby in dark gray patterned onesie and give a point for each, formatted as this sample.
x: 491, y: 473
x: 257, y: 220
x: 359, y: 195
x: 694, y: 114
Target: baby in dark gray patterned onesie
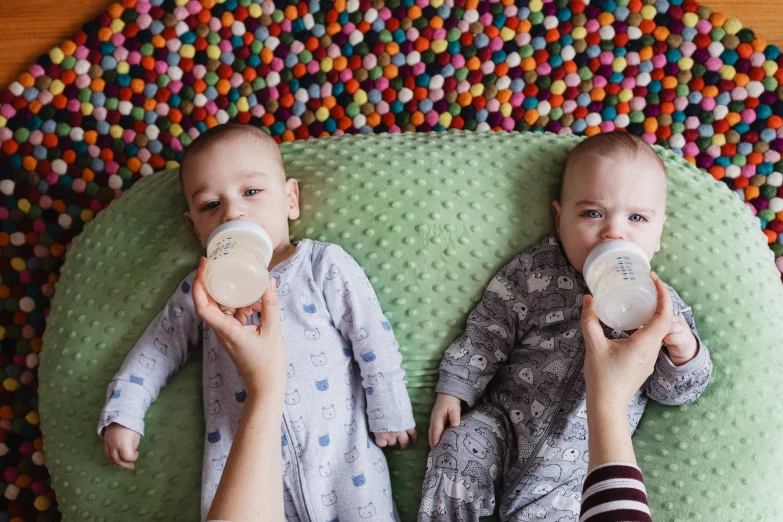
x: 521, y: 442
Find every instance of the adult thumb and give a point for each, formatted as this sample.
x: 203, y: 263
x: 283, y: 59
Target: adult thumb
x: 658, y: 326
x: 591, y: 327
x: 270, y: 307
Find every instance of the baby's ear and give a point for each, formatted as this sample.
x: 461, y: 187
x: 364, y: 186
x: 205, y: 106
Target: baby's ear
x: 292, y: 194
x: 191, y: 225
x: 658, y: 246
x: 556, y: 211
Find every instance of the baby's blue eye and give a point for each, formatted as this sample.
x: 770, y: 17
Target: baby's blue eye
x: 251, y: 192
x: 593, y: 214
x: 211, y: 205
x: 636, y: 218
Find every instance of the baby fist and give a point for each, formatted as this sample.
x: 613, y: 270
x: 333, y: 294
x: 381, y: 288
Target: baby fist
x: 680, y: 342
x: 120, y: 444
x: 390, y: 438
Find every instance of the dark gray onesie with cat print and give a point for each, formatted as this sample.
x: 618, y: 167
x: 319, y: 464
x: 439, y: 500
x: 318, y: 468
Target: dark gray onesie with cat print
x: 523, y: 440
x: 344, y: 381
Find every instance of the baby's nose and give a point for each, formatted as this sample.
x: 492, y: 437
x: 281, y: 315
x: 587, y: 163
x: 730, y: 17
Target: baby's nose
x: 612, y: 232
x: 232, y: 212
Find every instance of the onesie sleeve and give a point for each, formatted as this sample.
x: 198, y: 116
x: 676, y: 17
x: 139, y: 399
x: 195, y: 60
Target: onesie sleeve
x: 160, y: 352
x: 493, y: 327
x: 677, y: 385
x: 354, y: 309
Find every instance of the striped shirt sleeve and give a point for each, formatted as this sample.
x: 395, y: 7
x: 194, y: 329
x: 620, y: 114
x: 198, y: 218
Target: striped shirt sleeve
x: 614, y: 492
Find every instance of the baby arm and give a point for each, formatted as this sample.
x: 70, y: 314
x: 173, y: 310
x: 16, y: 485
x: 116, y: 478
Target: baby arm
x: 354, y: 309
x: 683, y: 369
x: 472, y: 360
x: 163, y: 348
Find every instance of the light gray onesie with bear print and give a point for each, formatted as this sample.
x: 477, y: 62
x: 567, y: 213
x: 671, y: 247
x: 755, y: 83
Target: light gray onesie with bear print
x: 344, y: 381
x: 523, y: 441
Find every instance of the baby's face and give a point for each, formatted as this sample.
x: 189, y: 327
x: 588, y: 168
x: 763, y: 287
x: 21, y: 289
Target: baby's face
x: 606, y: 198
x: 239, y: 179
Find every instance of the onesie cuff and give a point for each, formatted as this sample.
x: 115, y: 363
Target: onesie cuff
x: 389, y: 408
x: 113, y: 416
x: 403, y: 422
x: 458, y: 388
x: 667, y: 367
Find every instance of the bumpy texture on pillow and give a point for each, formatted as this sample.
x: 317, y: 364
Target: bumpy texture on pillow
x: 430, y: 217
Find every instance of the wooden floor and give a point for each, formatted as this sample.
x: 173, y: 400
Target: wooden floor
x: 29, y: 28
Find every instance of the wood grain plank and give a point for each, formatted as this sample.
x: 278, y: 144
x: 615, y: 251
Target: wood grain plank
x: 32, y: 27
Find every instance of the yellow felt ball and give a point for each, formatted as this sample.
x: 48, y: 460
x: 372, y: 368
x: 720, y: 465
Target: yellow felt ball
x: 438, y: 46
x: 535, y: 6
x: 56, y: 55
x: 327, y: 64
x: 690, y: 19
x: 11, y: 384
x: 175, y: 129
x: 770, y: 67
x: 322, y: 114
x: 187, y: 51
x: 579, y: 33
x: 123, y: 67
x: 32, y: 418
x: 619, y: 64
x: 87, y: 215
x: 87, y: 108
x: 242, y: 105
x: 477, y: 90
x: 719, y: 140
x: 3, y: 121
x: 625, y: 95
x: 213, y: 52
x: 255, y: 10
x: 732, y: 26
x: 56, y: 87
x: 18, y: 264
x: 445, y: 119
x: 558, y: 87
x: 117, y: 26
x: 727, y: 72
x: 685, y: 63
x: 436, y: 3
x: 360, y: 97
x: 648, y: 12
x: 115, y: 131
x: 24, y: 205
x: 171, y: 164
x: 505, y: 109
x: 42, y: 503
x: 507, y: 34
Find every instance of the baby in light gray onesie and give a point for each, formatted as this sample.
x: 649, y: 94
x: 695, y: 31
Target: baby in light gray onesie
x: 344, y: 375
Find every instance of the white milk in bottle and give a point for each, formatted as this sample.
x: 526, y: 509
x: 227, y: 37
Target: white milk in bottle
x: 238, y: 254
x: 618, y: 275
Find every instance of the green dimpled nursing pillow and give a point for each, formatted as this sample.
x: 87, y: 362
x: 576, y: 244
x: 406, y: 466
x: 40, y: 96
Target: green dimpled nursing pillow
x: 431, y: 218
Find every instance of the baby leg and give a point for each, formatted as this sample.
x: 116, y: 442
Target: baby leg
x: 464, y: 470
x: 551, y: 489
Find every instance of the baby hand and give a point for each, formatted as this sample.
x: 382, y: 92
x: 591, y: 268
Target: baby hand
x: 447, y: 408
x: 680, y: 342
x: 120, y: 444
x: 390, y: 438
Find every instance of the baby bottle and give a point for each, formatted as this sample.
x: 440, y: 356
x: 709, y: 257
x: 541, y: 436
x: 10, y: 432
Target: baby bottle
x: 238, y: 254
x: 618, y: 275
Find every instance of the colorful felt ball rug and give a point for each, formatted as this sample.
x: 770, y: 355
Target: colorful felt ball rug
x: 126, y: 94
